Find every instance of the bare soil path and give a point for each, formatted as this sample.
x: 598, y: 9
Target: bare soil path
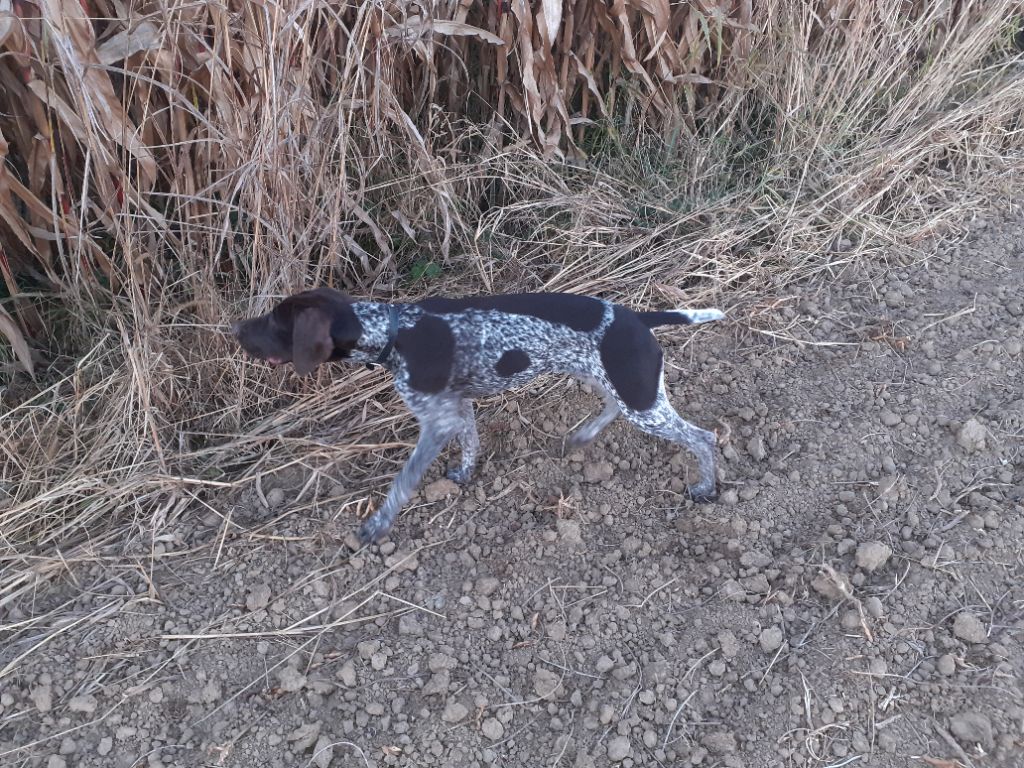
x: 856, y: 597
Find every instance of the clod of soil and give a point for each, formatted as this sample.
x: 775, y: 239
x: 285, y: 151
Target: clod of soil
x: 969, y: 627
x: 872, y: 555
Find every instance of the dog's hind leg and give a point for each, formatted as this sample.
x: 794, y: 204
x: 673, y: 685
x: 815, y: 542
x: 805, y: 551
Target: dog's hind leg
x: 661, y: 420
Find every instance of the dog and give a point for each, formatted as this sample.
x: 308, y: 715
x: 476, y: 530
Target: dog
x: 445, y: 352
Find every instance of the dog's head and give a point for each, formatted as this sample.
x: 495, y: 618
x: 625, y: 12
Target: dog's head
x: 306, y: 330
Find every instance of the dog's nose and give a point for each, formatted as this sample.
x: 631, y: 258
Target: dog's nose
x: 235, y: 328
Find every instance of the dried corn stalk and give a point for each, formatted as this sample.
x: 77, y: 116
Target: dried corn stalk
x: 131, y: 130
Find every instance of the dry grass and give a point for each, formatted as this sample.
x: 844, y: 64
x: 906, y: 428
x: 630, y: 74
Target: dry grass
x: 167, y: 170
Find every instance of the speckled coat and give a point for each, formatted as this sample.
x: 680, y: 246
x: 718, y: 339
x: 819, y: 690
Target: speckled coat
x: 444, y: 353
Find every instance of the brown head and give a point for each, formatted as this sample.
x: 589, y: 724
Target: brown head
x: 306, y: 330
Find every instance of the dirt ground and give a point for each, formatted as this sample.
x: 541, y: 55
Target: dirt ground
x: 855, y: 597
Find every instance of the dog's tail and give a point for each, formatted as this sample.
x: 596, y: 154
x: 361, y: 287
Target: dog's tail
x: 680, y: 317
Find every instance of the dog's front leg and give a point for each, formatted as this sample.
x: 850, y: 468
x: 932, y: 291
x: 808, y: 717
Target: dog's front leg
x: 434, y: 435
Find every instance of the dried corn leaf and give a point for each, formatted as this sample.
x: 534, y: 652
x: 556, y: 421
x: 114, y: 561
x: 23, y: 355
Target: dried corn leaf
x: 35, y: 206
x: 12, y: 218
x: 145, y: 37
x: 9, y: 212
x: 64, y: 111
x: 657, y: 12
x: 588, y: 77
x: 91, y: 84
x: 9, y: 22
x: 417, y: 28
x: 10, y: 329
x: 463, y: 10
x: 552, y: 11
x: 527, y: 72
x: 690, y: 80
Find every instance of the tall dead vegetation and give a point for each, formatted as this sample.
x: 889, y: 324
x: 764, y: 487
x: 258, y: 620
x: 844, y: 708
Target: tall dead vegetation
x: 167, y: 165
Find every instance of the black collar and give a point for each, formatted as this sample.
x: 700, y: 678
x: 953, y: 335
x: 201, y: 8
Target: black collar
x: 389, y: 345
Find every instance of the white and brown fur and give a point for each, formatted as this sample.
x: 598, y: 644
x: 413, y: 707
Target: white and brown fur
x: 444, y: 353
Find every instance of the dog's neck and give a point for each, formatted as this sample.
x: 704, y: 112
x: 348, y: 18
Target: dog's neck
x: 375, y: 319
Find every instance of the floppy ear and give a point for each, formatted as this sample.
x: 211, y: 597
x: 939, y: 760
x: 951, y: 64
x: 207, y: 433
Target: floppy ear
x: 311, y: 340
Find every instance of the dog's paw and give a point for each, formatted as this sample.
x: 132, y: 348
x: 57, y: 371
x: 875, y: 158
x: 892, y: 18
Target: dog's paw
x: 373, y: 530
x: 577, y: 441
x: 703, y: 494
x: 459, y: 475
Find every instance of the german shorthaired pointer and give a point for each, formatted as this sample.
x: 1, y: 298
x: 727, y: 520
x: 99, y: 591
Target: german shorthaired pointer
x: 444, y: 353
